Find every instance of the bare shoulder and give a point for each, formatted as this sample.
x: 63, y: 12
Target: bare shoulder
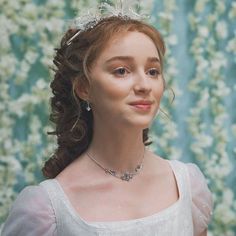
x: 163, y: 177
x: 157, y: 164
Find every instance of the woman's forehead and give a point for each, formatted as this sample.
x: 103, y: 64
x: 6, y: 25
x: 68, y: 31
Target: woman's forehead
x: 128, y: 44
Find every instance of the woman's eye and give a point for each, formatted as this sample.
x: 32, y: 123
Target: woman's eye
x: 154, y: 72
x: 121, y: 71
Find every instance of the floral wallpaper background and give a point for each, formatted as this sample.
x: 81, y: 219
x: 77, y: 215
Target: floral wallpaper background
x: 200, y: 67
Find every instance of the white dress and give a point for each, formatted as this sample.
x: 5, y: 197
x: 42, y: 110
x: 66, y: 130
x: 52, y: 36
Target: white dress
x: 46, y: 210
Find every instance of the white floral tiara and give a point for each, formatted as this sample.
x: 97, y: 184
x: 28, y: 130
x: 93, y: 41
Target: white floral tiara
x: 121, y: 8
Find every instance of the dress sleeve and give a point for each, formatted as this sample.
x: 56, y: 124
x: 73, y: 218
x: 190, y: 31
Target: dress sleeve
x: 31, y: 214
x: 202, y: 201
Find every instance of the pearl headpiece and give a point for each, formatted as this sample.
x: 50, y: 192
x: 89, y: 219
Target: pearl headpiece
x: 121, y: 8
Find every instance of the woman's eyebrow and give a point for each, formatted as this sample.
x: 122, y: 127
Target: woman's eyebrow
x: 153, y: 59
x: 129, y: 58
x: 120, y: 58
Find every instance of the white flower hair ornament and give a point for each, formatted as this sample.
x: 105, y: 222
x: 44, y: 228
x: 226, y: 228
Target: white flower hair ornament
x: 122, y: 8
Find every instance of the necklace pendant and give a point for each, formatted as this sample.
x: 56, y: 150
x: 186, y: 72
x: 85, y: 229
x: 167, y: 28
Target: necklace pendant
x: 126, y: 176
x: 138, y: 168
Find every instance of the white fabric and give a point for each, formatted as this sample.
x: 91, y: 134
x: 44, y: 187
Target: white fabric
x: 46, y: 210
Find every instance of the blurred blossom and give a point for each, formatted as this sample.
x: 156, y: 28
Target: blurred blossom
x: 30, y: 11
x: 202, y: 65
x: 54, y: 25
x: 234, y: 129
x: 221, y: 90
x: 231, y: 47
x: 172, y: 40
x: 41, y: 84
x: 200, y: 5
x: 228, y: 196
x: 203, y: 31
x: 166, y: 16
x: 204, y: 140
x: 232, y: 12
x: 212, y: 18
x: 14, y: 163
x: 218, y: 61
x: 220, y: 7
x: 38, y: 25
x: 221, y: 29
x: 7, y: 66
x: 31, y: 56
x: 203, y: 102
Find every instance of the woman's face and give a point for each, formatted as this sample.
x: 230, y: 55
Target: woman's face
x: 128, y: 70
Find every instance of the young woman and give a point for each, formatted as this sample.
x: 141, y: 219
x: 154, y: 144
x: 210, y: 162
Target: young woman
x: 102, y: 179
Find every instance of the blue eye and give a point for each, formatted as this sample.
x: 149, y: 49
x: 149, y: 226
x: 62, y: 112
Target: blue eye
x: 121, y: 71
x: 154, y: 72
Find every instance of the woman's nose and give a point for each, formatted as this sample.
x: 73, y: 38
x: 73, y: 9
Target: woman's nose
x: 142, y: 83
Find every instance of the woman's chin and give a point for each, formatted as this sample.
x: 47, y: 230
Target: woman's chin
x: 140, y: 124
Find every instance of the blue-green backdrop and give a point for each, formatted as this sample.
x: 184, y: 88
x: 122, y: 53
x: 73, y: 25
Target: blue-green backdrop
x: 200, y: 66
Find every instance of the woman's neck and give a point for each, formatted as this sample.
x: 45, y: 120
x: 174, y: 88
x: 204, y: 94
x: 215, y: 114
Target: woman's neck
x: 116, y: 150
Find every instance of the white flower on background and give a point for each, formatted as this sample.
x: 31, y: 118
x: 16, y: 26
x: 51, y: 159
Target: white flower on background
x: 200, y: 5
x: 172, y: 68
x: 7, y: 65
x: 55, y: 25
x: 221, y: 89
x: 176, y: 153
x: 204, y: 140
x: 211, y: 18
x: 231, y: 46
x: 166, y: 16
x: 34, y: 139
x: 31, y: 56
x: 233, y: 128
x: 22, y: 73
x: 220, y: 7
x: 222, y: 29
x: 172, y: 39
x: 41, y: 84
x: 55, y: 3
x: 14, y: 163
x: 224, y: 211
x: 232, y: 12
x: 218, y: 61
x: 203, y: 31
x: 203, y: 102
x: 19, y: 106
x: 29, y: 11
x: 228, y: 197
x: 46, y: 20
x: 202, y: 64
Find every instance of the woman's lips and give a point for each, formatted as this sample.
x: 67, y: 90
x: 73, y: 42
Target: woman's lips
x: 143, y: 107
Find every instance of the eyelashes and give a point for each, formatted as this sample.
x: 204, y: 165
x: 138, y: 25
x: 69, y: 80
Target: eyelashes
x: 123, y: 72
x: 154, y: 72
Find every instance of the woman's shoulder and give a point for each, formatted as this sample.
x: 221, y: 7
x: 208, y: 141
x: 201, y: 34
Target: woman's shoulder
x: 31, y: 214
x: 202, y: 199
x: 33, y: 196
x: 197, y: 180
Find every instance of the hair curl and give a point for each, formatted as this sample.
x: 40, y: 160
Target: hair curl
x: 73, y: 124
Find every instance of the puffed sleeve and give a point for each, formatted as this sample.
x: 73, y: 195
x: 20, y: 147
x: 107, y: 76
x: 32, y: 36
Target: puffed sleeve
x: 202, y: 202
x: 31, y: 214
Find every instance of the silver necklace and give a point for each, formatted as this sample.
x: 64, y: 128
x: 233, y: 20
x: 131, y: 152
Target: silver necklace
x: 126, y: 176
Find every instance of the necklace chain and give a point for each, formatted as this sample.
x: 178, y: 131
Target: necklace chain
x: 126, y: 176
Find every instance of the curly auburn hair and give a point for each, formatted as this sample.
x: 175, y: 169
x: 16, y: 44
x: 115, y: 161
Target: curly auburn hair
x: 73, y: 124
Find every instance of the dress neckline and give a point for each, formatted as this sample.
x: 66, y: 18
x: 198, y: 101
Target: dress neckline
x: 160, y: 215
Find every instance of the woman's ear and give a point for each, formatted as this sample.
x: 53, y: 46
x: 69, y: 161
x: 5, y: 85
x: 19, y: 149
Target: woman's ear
x: 81, y: 89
